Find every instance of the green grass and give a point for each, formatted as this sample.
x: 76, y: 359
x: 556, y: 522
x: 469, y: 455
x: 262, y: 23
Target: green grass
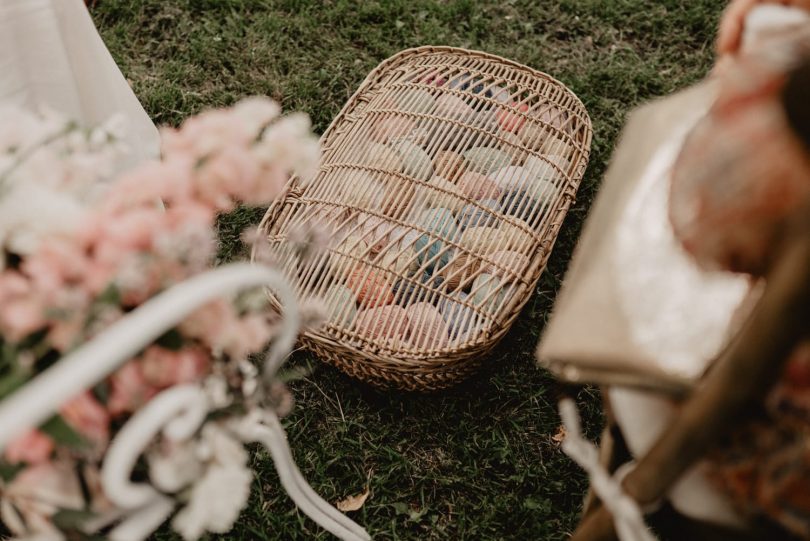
x: 476, y: 462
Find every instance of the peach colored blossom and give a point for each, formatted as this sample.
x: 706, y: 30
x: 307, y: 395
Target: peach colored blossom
x: 33, y: 447
x: 163, y: 368
x: 89, y: 418
x: 20, y: 317
x: 205, y: 134
x: 169, y: 181
x: 207, y: 322
x: 228, y: 174
x: 250, y: 334
x: 129, y: 390
x: 65, y: 334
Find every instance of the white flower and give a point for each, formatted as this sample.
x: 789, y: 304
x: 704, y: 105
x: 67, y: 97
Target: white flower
x: 21, y: 130
x: 216, y: 388
x: 222, y: 492
x: 29, y: 212
x: 216, y: 502
x: 256, y: 112
x: 289, y: 144
x: 174, y: 466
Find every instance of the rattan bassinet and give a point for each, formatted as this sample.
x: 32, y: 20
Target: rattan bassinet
x: 443, y: 185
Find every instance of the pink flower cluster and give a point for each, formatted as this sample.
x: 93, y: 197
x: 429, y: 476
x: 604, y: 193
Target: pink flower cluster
x: 153, y: 228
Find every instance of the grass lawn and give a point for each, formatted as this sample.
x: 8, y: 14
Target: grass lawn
x: 476, y: 462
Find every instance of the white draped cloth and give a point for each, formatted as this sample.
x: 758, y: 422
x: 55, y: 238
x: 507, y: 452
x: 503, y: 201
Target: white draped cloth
x: 51, y: 55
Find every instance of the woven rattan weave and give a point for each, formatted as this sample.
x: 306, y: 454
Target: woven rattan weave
x: 443, y: 185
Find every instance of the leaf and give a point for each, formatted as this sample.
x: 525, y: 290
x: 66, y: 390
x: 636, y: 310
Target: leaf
x: 559, y: 436
x: 534, y: 505
x: 415, y: 516
x: 111, y: 295
x: 102, y: 392
x: 11, y: 382
x: 404, y: 509
x: 353, y: 503
x: 62, y: 433
x: 171, y: 340
x: 9, y: 471
x: 72, y: 519
x: 401, y: 508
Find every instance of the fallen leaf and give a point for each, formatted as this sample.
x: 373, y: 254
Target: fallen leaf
x: 559, y: 436
x: 353, y: 503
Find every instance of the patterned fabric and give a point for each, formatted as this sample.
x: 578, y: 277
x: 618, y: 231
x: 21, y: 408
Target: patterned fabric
x: 765, y: 466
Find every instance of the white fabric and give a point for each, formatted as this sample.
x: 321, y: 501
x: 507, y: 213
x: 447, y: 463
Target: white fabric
x: 627, y: 515
x: 643, y: 417
x: 633, y: 303
x: 52, y: 55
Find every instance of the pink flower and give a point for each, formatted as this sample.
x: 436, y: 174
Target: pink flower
x: 129, y: 390
x: 33, y: 447
x: 228, y: 174
x: 218, y: 326
x: 169, y: 181
x: 247, y: 335
x: 163, y: 368
x: 56, y: 263
x: 20, y: 318
x: 207, y: 322
x: 21, y: 311
x: 268, y: 186
x: 89, y: 418
x: 205, y: 134
x: 66, y: 334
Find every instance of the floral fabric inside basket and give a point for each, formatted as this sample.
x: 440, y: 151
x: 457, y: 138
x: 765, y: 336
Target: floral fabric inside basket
x: 442, y: 187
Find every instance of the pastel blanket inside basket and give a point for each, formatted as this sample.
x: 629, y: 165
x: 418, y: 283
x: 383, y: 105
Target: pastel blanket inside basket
x: 442, y: 187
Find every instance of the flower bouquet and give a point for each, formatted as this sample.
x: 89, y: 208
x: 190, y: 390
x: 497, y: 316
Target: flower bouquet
x: 126, y: 393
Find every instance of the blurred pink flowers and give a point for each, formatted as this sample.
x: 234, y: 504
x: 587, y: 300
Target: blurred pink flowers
x: 99, y: 250
x: 89, y: 418
x: 33, y: 447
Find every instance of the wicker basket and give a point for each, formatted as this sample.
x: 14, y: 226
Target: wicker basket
x: 443, y: 185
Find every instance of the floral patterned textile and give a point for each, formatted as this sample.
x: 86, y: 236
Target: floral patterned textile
x: 765, y: 467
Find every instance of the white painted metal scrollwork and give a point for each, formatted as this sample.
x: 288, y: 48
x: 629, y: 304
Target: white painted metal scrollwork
x: 177, y: 413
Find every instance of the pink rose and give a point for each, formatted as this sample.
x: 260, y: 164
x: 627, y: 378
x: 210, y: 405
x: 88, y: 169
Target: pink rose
x: 66, y: 334
x: 207, y: 322
x: 33, y: 447
x: 231, y: 173
x: 205, y: 134
x: 169, y: 181
x: 55, y: 264
x: 89, y: 418
x: 247, y: 335
x: 163, y: 368
x: 129, y: 389
x: 21, y: 317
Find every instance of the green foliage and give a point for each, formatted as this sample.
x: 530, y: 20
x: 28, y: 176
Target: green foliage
x: 476, y: 462
x: 9, y: 471
x: 62, y: 433
x: 171, y: 340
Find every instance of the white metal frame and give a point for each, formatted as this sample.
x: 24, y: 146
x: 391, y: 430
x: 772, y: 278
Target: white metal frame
x: 178, y: 412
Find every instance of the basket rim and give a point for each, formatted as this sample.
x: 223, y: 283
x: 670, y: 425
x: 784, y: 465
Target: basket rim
x: 426, y: 50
